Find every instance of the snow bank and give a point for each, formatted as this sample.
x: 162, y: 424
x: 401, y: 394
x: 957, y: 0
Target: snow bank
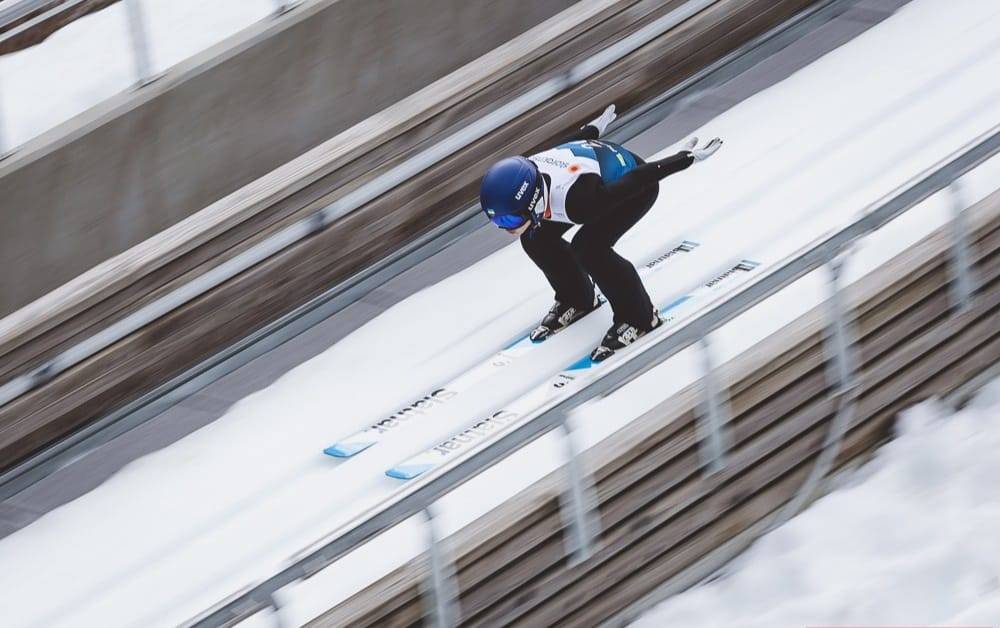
x: 914, y: 539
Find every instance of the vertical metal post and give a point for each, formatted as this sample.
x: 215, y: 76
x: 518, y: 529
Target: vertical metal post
x: 578, y: 502
x: 140, y: 42
x: 276, y: 620
x: 442, y: 590
x: 962, y: 282
x: 713, y: 436
x: 845, y: 394
x: 838, y: 343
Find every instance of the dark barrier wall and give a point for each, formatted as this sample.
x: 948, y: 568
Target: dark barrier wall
x: 127, y: 169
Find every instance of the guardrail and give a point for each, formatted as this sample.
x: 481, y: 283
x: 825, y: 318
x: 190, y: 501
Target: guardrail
x: 420, y: 496
x: 18, y: 10
x: 138, y: 36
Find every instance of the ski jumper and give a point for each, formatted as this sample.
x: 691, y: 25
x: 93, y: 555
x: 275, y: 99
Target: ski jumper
x: 607, y: 189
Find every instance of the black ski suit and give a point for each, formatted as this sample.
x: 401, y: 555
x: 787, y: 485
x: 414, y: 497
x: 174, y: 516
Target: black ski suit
x: 606, y: 211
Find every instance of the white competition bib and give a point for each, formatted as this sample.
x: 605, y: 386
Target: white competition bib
x: 563, y: 167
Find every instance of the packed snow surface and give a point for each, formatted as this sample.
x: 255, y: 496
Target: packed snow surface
x: 912, y: 539
x: 182, y: 528
x: 91, y: 59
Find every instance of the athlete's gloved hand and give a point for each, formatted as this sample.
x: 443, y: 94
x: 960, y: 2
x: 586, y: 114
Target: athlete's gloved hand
x: 706, y: 151
x: 601, y: 122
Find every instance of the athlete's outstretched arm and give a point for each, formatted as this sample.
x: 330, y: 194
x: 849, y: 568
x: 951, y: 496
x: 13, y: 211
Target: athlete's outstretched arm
x: 591, y: 198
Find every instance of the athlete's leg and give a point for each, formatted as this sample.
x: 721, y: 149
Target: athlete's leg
x: 556, y: 259
x: 614, y: 274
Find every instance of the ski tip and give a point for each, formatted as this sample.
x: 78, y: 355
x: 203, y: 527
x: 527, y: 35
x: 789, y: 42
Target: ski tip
x: 407, y: 472
x: 346, y: 450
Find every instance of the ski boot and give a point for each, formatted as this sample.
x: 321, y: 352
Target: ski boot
x: 560, y: 317
x: 621, y: 336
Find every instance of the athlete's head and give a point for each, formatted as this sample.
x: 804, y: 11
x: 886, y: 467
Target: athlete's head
x: 510, y: 193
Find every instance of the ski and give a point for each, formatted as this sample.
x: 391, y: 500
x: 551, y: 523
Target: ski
x: 563, y: 382
x: 355, y: 443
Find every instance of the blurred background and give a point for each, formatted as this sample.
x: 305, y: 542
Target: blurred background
x: 263, y: 360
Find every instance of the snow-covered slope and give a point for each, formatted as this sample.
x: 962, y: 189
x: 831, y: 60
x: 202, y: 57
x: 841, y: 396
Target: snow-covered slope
x: 181, y: 528
x: 913, y: 538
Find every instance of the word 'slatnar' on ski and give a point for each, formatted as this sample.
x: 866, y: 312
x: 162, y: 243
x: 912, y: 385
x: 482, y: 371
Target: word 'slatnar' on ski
x: 360, y: 441
x: 346, y: 449
x: 418, y: 407
x: 560, y: 385
x: 477, y: 430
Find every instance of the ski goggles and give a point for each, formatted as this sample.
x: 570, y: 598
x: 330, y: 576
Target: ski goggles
x: 509, y: 221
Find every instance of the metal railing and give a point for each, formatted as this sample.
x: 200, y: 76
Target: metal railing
x: 138, y: 36
x: 419, y: 496
x: 18, y: 9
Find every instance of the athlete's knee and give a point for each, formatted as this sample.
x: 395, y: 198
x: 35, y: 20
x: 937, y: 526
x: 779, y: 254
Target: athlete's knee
x: 591, y: 252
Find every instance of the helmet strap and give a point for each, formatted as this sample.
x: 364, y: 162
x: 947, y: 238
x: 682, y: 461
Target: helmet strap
x: 543, y: 201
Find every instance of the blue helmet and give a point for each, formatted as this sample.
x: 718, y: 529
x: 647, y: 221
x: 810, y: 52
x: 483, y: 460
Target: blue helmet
x: 510, y: 191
